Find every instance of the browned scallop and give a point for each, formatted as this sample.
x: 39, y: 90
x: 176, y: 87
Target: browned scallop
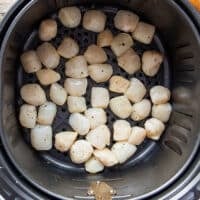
x: 137, y: 136
x: 27, y: 116
x: 76, y: 67
x: 47, y: 76
x: 121, y: 43
x: 129, y: 61
x: 151, y: 61
x: 70, y: 17
x: 95, y: 55
x: 106, y: 156
x: 30, y: 61
x: 154, y: 128
x: 64, y: 140
x: 94, y: 20
x: 144, y: 32
x: 126, y: 21
x: 100, y: 72
x: 48, y: 55
x: 104, y: 38
x: 47, y: 30
x: 68, y: 48
x: 118, y: 84
x: 33, y: 94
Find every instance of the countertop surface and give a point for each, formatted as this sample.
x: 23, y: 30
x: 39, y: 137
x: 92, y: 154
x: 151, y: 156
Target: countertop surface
x: 4, y: 6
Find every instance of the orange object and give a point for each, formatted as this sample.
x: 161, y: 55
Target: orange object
x: 195, y: 3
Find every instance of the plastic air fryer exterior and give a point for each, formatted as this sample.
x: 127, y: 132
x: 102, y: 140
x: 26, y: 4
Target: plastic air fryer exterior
x: 17, y: 186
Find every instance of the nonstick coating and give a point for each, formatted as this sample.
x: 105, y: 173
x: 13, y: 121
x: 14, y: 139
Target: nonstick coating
x: 84, y: 39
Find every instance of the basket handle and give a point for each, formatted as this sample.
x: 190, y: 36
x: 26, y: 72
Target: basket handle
x: 196, y: 4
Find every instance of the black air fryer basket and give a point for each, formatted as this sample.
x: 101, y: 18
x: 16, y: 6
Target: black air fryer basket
x: 159, y: 169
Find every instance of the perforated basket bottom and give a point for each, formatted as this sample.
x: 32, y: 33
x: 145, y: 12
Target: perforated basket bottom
x: 85, y: 38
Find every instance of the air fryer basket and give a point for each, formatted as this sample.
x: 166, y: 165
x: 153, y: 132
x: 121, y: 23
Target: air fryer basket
x: 156, y: 164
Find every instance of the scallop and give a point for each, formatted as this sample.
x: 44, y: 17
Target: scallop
x: 162, y: 111
x: 47, y: 76
x: 121, y: 130
x: 99, y: 97
x: 94, y: 20
x: 106, y: 157
x: 79, y: 123
x: 121, y: 106
x: 96, y: 116
x: 48, y: 55
x: 126, y: 21
x: 104, y: 38
x: 141, y: 110
x: 159, y: 94
x: 118, y: 84
x: 151, y: 62
x: 129, y: 61
x: 46, y: 113
x: 76, y: 67
x: 76, y: 104
x: 76, y: 86
x: 137, y: 136
x: 58, y: 94
x: 99, y: 137
x: 121, y: 43
x: 100, y: 72
x: 123, y: 151
x: 81, y: 151
x: 68, y: 48
x: 30, y: 61
x: 154, y: 128
x: 93, y: 166
x: 47, y: 30
x: 33, y: 94
x: 64, y: 140
x: 41, y: 137
x: 144, y: 32
x: 27, y: 116
x: 70, y: 17
x: 95, y: 54
x: 136, y: 90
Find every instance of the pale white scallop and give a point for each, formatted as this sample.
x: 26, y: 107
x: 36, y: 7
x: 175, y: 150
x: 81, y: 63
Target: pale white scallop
x: 41, y: 137
x: 96, y: 116
x: 81, y: 151
x: 46, y: 113
x: 58, y: 94
x: 79, y: 123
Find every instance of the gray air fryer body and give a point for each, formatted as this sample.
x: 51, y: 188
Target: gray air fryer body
x: 159, y: 169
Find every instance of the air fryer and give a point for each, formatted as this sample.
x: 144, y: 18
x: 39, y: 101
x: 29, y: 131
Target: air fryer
x: 156, y: 165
